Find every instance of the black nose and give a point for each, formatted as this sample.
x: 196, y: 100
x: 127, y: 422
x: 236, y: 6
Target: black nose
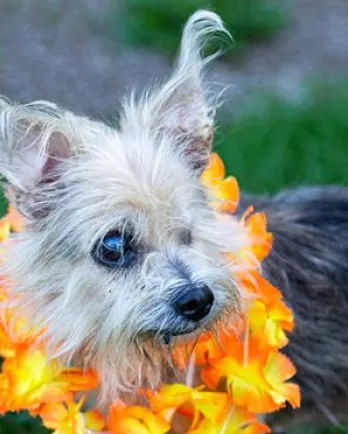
x: 194, y: 302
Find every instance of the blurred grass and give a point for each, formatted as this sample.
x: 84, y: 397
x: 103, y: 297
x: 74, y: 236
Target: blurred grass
x: 3, y: 203
x: 158, y: 24
x: 21, y: 423
x: 275, y: 143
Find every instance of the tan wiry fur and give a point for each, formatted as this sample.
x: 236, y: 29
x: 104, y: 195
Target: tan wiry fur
x: 75, y: 180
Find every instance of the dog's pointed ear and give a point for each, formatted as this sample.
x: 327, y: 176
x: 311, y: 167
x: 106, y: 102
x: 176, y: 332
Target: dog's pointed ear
x: 183, y: 105
x: 34, y: 141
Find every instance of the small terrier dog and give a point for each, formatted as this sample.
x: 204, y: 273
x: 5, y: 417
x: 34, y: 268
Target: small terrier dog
x: 121, y: 258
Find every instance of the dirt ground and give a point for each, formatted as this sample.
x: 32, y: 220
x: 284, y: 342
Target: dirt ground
x: 58, y: 50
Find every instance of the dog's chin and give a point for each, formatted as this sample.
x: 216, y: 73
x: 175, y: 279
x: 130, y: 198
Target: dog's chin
x: 184, y: 336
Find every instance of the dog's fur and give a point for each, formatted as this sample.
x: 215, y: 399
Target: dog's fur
x: 75, y: 180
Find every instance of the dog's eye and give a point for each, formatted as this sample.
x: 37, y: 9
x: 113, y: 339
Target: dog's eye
x: 114, y: 250
x: 112, y: 247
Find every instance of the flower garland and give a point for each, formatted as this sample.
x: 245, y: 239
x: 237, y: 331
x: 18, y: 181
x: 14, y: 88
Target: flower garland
x: 243, y: 373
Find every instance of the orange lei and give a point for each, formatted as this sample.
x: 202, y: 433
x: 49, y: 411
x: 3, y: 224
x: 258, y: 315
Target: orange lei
x: 241, y: 375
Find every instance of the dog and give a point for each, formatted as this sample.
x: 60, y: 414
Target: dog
x: 120, y: 258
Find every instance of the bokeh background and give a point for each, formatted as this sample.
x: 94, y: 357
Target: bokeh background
x: 285, y: 118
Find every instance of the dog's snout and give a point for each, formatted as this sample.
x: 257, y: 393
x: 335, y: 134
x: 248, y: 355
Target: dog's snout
x: 195, y: 302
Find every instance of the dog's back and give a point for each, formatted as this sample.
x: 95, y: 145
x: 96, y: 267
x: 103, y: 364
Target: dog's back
x: 309, y: 263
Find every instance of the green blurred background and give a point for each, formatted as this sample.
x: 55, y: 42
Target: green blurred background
x: 284, y: 122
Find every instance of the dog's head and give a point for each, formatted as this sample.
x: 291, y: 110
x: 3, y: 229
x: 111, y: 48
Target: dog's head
x: 121, y: 254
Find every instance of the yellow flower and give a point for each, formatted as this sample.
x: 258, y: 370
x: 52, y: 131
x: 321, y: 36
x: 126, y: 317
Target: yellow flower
x: 67, y: 418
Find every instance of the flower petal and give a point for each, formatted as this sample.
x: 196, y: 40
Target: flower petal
x: 135, y: 420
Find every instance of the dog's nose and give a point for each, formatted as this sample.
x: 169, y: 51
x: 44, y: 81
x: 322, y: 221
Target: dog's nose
x: 195, y: 303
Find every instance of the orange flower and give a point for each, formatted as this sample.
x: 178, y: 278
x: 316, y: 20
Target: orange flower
x: 209, y: 346
x: 225, y: 190
x: 3, y: 291
x: 268, y: 322
x: 5, y: 229
x: 12, y: 221
x: 67, y: 418
x: 278, y: 370
x: 206, y: 348
x: 236, y: 421
x: 135, y: 420
x: 215, y: 172
x: 260, y: 245
x: 79, y: 380
x: 268, y: 316
x: 16, y: 335
x: 29, y: 380
x: 191, y: 402
x: 15, y: 219
x: 258, y: 287
x: 256, y: 226
x: 255, y: 376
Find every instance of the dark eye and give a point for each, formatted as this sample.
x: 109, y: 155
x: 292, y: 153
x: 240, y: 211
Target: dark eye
x: 114, y: 250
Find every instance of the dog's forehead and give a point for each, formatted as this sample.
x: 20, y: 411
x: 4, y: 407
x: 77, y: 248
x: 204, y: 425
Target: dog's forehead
x: 137, y: 174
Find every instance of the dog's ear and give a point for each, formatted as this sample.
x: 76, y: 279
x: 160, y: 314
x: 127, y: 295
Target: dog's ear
x: 34, y: 141
x: 183, y: 105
